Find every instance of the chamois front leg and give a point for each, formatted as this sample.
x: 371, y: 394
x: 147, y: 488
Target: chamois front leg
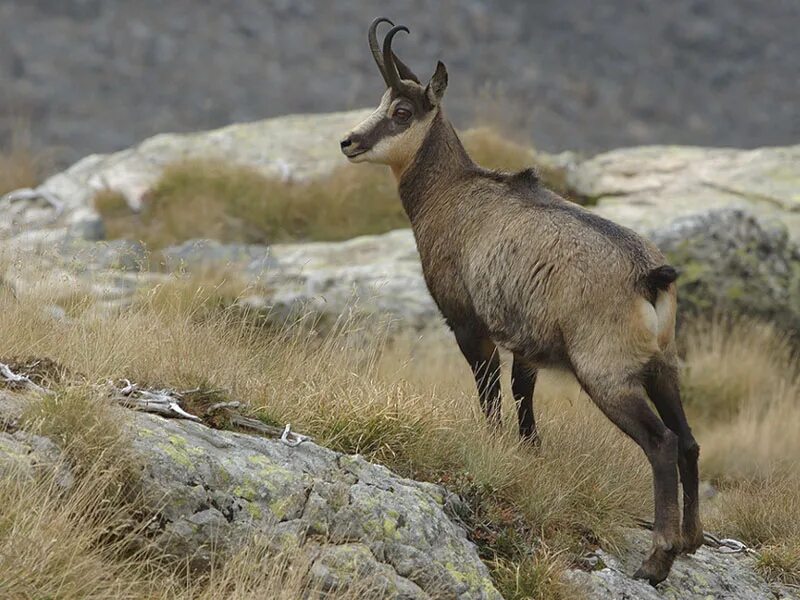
x: 523, y: 382
x: 481, y: 354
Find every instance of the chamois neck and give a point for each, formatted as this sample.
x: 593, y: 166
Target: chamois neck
x: 440, y: 160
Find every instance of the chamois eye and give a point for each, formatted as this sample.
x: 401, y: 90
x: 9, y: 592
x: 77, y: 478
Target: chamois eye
x: 402, y: 114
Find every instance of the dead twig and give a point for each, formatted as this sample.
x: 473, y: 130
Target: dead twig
x: 162, y: 402
x: 20, y: 381
x: 287, y: 436
x: 167, y: 404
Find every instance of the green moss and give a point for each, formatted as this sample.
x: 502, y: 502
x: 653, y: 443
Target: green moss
x: 390, y: 529
x: 254, y: 510
x: 474, y: 580
x: 178, y: 454
x: 247, y: 491
x: 281, y: 507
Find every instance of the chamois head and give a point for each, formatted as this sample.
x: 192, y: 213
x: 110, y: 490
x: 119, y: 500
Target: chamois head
x: 394, y: 132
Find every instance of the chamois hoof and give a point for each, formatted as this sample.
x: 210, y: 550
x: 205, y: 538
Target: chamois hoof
x: 656, y: 567
x: 692, y: 541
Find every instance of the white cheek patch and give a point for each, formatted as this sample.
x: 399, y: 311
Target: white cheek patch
x: 381, y: 150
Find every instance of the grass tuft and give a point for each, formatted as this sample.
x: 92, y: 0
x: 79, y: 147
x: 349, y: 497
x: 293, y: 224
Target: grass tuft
x: 536, y: 578
x: 229, y: 203
x: 781, y: 562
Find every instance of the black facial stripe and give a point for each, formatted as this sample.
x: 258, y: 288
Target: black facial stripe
x: 386, y: 127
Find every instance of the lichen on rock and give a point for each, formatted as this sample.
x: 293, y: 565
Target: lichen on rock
x: 213, y: 490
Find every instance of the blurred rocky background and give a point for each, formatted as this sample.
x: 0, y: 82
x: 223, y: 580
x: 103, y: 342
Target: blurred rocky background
x: 99, y: 75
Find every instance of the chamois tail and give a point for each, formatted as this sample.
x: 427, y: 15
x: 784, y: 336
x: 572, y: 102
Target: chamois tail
x: 658, y: 280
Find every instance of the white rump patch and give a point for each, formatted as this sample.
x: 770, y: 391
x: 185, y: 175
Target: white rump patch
x: 650, y: 316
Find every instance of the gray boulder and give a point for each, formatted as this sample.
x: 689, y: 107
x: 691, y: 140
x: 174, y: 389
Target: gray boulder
x: 356, y: 520
x: 732, y: 263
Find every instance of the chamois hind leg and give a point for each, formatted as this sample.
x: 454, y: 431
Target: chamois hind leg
x: 481, y: 354
x: 626, y: 405
x: 523, y: 382
x: 662, y: 385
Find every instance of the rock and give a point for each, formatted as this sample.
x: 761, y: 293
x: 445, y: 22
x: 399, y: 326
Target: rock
x: 708, y: 574
x: 647, y: 187
x: 197, y: 255
x: 27, y: 209
x: 357, y: 520
x: 25, y: 454
x: 118, y: 255
x: 213, y: 491
x: 731, y: 263
x: 370, y: 275
x: 373, y: 275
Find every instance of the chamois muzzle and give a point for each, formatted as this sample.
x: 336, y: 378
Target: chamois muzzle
x: 351, y: 146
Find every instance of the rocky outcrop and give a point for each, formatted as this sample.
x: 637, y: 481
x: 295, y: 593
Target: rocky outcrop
x: 213, y: 491
x: 355, y: 518
x: 709, y: 573
x: 370, y: 275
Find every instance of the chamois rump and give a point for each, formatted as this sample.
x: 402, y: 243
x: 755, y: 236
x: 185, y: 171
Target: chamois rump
x: 512, y: 264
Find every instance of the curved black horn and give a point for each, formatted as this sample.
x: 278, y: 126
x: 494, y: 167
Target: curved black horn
x: 402, y: 68
x: 373, y: 45
x: 393, y: 79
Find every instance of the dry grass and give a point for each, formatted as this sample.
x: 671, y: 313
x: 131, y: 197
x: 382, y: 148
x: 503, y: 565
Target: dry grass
x: 20, y: 166
x: 52, y: 541
x: 409, y: 402
x: 742, y: 389
x: 212, y: 199
x: 535, y: 578
x: 206, y: 199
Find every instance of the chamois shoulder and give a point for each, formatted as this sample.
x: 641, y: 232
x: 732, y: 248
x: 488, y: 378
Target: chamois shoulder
x: 524, y: 180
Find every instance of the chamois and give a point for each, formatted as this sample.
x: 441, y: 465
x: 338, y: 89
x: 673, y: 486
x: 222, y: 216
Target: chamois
x: 512, y: 264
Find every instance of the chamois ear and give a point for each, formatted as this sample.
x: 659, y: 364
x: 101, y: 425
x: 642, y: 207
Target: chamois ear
x: 437, y: 85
